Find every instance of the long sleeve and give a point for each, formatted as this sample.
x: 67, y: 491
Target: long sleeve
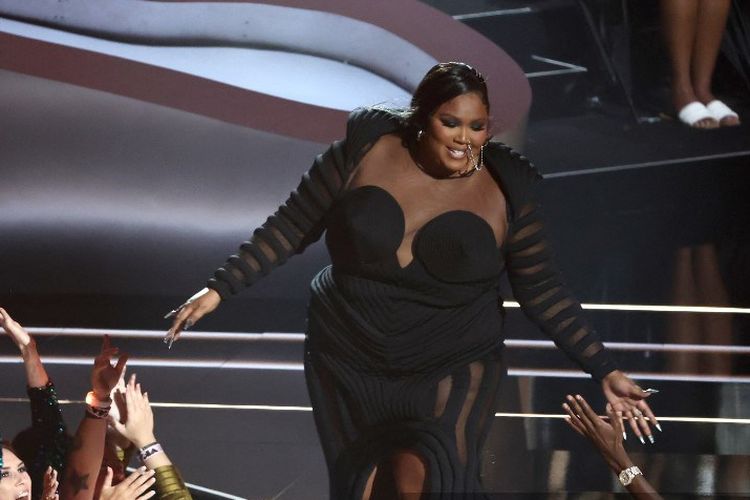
x: 300, y: 220
x: 538, y: 286
x: 534, y: 277
x: 47, y: 438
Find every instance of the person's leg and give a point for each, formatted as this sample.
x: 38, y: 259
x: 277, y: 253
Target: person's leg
x: 711, y: 22
x: 683, y: 328
x: 679, y: 22
x: 717, y: 328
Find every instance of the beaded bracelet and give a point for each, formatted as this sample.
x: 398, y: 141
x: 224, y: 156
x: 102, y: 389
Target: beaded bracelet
x: 149, y: 450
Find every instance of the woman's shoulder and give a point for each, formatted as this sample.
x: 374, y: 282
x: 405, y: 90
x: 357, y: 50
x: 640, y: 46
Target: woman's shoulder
x: 373, y: 120
x: 516, y: 173
x: 511, y: 165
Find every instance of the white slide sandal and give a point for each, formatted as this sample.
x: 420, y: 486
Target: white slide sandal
x: 720, y: 111
x: 694, y: 112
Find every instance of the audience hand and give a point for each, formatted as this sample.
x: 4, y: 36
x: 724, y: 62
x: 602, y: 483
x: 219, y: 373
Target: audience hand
x: 104, y: 375
x: 606, y: 437
x: 50, y: 485
x: 139, y: 425
x: 134, y: 487
x: 18, y: 335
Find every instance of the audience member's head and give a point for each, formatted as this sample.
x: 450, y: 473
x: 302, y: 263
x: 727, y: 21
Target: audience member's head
x: 15, y: 482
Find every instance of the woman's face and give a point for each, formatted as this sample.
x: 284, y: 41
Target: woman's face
x: 14, y: 481
x: 455, y: 125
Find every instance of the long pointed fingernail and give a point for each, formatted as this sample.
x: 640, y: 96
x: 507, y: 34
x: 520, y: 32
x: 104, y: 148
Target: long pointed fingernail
x: 188, y: 325
x: 658, y: 427
x: 651, y: 439
x: 641, y: 438
x: 170, y: 314
x: 624, y: 436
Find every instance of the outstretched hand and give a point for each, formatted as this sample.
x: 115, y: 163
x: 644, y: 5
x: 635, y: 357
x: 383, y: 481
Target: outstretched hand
x: 138, y: 427
x: 605, y: 436
x: 627, y: 400
x: 16, y: 332
x: 104, y: 375
x: 188, y: 314
x: 134, y: 487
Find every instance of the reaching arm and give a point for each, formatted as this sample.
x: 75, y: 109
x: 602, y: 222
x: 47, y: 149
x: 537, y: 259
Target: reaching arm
x: 294, y: 226
x: 538, y: 286
x: 544, y: 298
x: 607, y: 439
x: 85, y: 457
x: 45, y: 444
x: 36, y: 375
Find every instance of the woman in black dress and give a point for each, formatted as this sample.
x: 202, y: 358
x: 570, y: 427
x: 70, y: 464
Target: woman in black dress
x: 405, y: 337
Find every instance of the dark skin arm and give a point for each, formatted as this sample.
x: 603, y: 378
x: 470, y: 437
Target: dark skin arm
x: 607, y: 439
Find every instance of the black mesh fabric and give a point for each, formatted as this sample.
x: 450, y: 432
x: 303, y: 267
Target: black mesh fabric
x: 404, y: 343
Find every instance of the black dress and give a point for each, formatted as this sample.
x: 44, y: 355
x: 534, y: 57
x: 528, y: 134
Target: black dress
x: 409, y: 357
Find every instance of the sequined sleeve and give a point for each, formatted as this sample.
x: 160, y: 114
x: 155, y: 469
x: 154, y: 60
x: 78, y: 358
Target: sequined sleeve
x: 48, y: 440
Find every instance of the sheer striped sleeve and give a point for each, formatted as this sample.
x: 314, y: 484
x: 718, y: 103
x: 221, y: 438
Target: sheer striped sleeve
x: 294, y: 226
x: 299, y: 221
x: 538, y: 284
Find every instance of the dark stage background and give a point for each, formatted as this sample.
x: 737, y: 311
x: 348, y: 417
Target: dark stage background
x: 124, y: 184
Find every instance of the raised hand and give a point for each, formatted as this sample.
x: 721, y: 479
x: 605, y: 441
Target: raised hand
x: 134, y: 487
x: 139, y: 425
x: 628, y: 401
x: 605, y: 436
x: 18, y: 335
x: 104, y: 375
x: 188, y: 314
x: 49, y: 492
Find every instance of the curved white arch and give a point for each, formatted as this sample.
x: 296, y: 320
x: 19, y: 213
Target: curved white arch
x: 248, y: 25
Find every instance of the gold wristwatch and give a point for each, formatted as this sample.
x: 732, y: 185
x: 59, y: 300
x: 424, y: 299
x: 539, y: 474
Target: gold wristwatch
x: 627, y: 475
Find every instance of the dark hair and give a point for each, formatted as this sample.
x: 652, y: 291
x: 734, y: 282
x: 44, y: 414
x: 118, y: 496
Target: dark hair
x: 442, y: 83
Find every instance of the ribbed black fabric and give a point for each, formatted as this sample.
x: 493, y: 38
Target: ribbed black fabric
x: 408, y: 356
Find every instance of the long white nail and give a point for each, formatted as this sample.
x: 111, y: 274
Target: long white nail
x: 641, y: 438
x: 624, y: 436
x: 658, y: 427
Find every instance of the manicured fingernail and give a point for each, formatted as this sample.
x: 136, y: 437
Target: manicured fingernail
x: 651, y: 439
x: 624, y: 436
x: 170, y: 314
x: 578, y: 397
x: 188, y: 325
x: 641, y: 438
x: 658, y: 427
x: 651, y: 391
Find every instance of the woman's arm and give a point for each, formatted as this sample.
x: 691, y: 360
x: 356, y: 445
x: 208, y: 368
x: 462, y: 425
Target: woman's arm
x: 295, y: 225
x: 607, y: 439
x: 46, y: 442
x: 85, y: 457
x: 36, y: 375
x: 539, y: 288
